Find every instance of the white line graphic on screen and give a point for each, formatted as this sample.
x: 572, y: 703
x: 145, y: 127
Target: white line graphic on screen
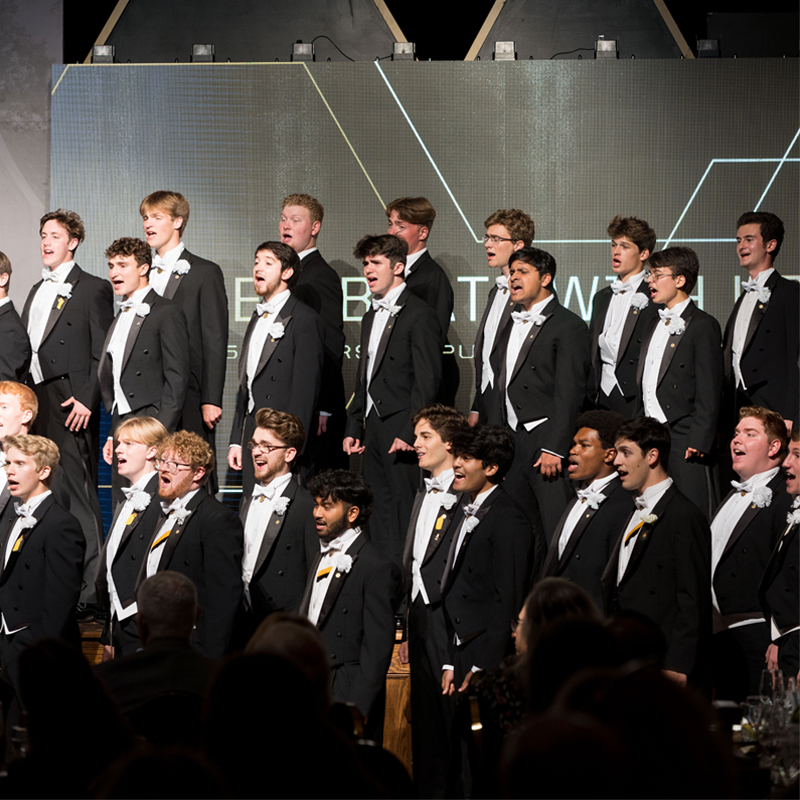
x: 425, y: 149
x: 777, y: 170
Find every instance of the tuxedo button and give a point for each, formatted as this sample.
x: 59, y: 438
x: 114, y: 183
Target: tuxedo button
x: 518, y: 407
x: 16, y: 608
x: 138, y: 374
x: 185, y: 563
x: 273, y: 378
x: 288, y: 547
x: 146, y: 352
x: 674, y: 385
x: 133, y: 557
x: 439, y: 582
x: 130, y: 394
x: 533, y: 368
x: 61, y: 342
x: 463, y: 597
x: 52, y: 361
x: 344, y: 611
x: 380, y: 401
x: 577, y: 556
x: 19, y: 586
x: 652, y: 591
x: 333, y: 656
x: 69, y: 324
x: 458, y: 620
x: 269, y: 396
x: 280, y: 361
x: 734, y: 575
x: 280, y: 573
x: 525, y: 386
x: 744, y: 550
x: 339, y: 634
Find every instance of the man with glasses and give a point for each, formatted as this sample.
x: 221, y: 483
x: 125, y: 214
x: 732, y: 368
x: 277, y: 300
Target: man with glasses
x: 280, y: 538
x: 680, y: 374
x: 507, y: 230
x: 198, y: 537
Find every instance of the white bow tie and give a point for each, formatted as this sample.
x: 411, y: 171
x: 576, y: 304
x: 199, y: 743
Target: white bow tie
x: 382, y: 304
x: 666, y: 314
x: 618, y: 287
x: 434, y: 485
x: 750, y: 286
x: 126, y: 305
x: 501, y: 282
x: 471, y: 509
x: 334, y: 546
x: 263, y: 491
x: 745, y: 486
x: 48, y: 275
x: 159, y: 263
x: 174, y: 505
x: 266, y: 308
x: 128, y: 491
x: 521, y: 317
x: 640, y: 502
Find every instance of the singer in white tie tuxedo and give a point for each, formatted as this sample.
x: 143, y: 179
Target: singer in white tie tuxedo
x: 281, y: 360
x: 399, y: 373
x: 67, y: 315
x: 762, y: 337
x: 680, y: 374
x: 620, y: 314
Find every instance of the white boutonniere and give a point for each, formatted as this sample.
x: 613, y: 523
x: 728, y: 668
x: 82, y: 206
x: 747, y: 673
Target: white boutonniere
x: 639, y: 300
x: 280, y: 505
x: 793, y: 517
x: 64, y: 290
x: 764, y: 293
x: 182, y: 266
x: 676, y: 326
x: 592, y: 497
x: 539, y: 320
x: 343, y: 562
x: 277, y: 329
x: 28, y: 522
x: 143, y: 309
x: 649, y: 519
x: 762, y: 496
x: 181, y: 515
x: 395, y: 310
x: 447, y: 501
x: 471, y: 523
x: 140, y: 500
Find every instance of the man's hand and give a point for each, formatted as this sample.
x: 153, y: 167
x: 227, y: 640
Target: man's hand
x: 211, y: 415
x: 108, y: 451
x: 448, y: 686
x: 235, y: 457
x: 108, y: 652
x: 473, y: 418
x: 692, y: 453
x: 78, y: 418
x: 772, y: 657
x: 352, y: 447
x: 465, y: 684
x: 399, y: 446
x: 678, y: 677
x: 402, y: 652
x: 322, y: 424
x: 549, y: 465
x: 788, y: 426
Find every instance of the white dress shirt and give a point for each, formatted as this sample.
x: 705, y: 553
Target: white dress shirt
x: 577, y: 511
x: 116, y: 346
x: 303, y: 253
x: 5, y: 301
x: 322, y: 580
x: 645, y: 504
x: 16, y: 531
x: 154, y: 556
x: 39, y: 313
x: 519, y: 333
x: 124, y: 517
x: 163, y: 267
x: 775, y: 632
x: 500, y: 301
x: 659, y: 342
x: 430, y: 512
x: 412, y: 259
x: 609, y: 340
x: 258, y: 515
x: 258, y: 339
x: 379, y: 322
x: 742, y: 324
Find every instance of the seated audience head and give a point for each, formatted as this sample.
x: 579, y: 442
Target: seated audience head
x: 60, y: 234
x: 531, y: 273
x: 342, y: 500
x: 276, y: 268
x: 18, y: 408
x: 639, y: 638
x: 507, y: 230
x: 129, y: 263
x: 673, y: 275
x: 434, y: 429
x: 31, y: 462
x: 5, y: 275
x: 593, y: 452
x: 759, y: 236
x: 642, y: 453
x: 137, y: 440
x: 483, y: 457
x: 301, y: 220
x: 296, y: 639
x: 167, y: 607
x: 383, y: 259
x: 791, y: 464
x: 276, y: 441
x: 184, y: 462
x: 759, y: 441
x: 164, y: 217
x: 411, y: 218
x: 632, y: 241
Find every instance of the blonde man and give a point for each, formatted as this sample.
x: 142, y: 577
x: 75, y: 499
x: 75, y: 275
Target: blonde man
x: 42, y: 558
x: 136, y: 441
x: 199, y: 537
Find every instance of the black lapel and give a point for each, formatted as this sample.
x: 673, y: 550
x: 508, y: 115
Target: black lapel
x: 176, y: 279
x: 136, y: 327
x: 60, y: 302
x: 529, y: 340
x: 105, y: 372
x: 275, y: 526
x: 245, y: 347
x: 646, y: 533
x: 284, y: 317
x: 551, y: 561
x: 337, y: 579
x: 749, y: 515
x: 583, y: 522
x: 442, y: 525
x: 482, y: 324
x: 674, y: 342
x: 603, y: 299
x: 312, y: 577
x: 630, y: 321
x: 408, y: 549
x: 177, y: 529
x: 25, y: 534
x: 391, y: 324
x: 366, y: 331
x: 758, y: 313
x: 151, y: 487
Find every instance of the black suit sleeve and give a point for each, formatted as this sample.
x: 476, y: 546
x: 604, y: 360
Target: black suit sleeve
x: 175, y: 361
x: 15, y: 353
x: 214, y: 303
x: 64, y: 551
x: 708, y: 384
x: 426, y: 359
x: 101, y: 315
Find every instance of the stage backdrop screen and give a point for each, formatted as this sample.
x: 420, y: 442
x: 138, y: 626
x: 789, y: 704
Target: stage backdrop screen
x: 686, y: 145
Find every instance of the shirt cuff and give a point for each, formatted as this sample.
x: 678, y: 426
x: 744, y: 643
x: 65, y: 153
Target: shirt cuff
x: 448, y: 666
x: 557, y: 455
x: 234, y: 445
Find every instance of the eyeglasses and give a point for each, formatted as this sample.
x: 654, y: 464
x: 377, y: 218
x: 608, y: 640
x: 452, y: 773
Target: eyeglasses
x: 657, y: 276
x: 495, y: 239
x: 262, y: 447
x: 170, y: 466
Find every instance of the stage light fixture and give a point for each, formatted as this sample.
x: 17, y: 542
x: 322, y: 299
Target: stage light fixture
x: 606, y: 48
x: 708, y: 48
x: 403, y: 51
x: 505, y: 51
x: 303, y: 51
x: 103, y: 54
x: 202, y: 53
